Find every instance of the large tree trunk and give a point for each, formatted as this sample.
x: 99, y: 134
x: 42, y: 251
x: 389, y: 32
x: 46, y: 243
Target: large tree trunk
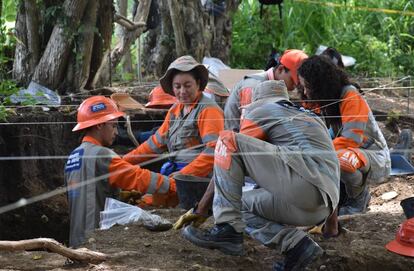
x: 102, y: 41
x: 21, y: 71
x: 63, y: 50
x: 221, y: 29
x: 51, y: 68
x: 207, y: 33
x: 109, y: 64
x: 33, y: 40
x: 159, y: 47
x: 77, y: 72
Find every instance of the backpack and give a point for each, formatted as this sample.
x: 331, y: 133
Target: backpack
x: 271, y: 2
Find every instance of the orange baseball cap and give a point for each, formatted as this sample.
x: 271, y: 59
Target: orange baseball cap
x: 404, y: 239
x: 292, y: 59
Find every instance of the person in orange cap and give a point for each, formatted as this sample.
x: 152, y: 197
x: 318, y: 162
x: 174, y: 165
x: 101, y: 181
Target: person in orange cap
x: 285, y: 69
x: 94, y: 172
x: 191, y: 127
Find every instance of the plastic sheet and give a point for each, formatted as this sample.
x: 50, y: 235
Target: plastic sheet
x: 214, y: 65
x: 37, y: 94
x: 117, y: 212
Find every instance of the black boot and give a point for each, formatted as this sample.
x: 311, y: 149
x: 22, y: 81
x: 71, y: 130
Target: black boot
x: 356, y: 205
x: 222, y: 237
x: 300, y: 256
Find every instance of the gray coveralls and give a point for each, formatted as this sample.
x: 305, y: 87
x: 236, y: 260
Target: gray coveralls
x: 232, y: 111
x: 297, y: 171
x: 86, y: 202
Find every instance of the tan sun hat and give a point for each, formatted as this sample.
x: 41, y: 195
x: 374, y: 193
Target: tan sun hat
x: 216, y: 87
x: 184, y: 64
x: 125, y: 102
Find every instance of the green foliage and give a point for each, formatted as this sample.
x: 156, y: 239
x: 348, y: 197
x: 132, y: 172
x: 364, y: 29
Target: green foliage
x: 9, y: 10
x: 7, y: 45
x: 7, y: 88
x: 3, y: 113
x: 383, y: 44
x: 7, y: 41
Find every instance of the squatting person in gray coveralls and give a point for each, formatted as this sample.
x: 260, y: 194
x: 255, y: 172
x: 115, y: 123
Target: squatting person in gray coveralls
x: 288, y: 152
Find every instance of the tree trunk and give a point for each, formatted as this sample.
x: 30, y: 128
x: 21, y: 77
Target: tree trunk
x: 221, y: 29
x: 159, y: 47
x: 105, y: 69
x: 21, y: 71
x: 64, y: 49
x: 120, y: 31
x: 102, y: 42
x: 77, y: 72
x: 207, y: 33
x: 178, y: 26
x: 52, y: 66
x: 33, y: 40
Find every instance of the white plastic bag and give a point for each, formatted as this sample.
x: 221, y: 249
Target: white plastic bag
x: 117, y: 212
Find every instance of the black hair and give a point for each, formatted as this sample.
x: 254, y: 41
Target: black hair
x: 334, y: 56
x: 325, y: 82
x: 273, y: 60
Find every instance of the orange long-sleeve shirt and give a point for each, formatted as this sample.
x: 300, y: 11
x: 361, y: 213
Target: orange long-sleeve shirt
x: 354, y: 112
x: 180, y: 131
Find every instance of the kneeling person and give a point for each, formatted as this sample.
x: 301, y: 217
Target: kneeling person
x: 288, y: 152
x: 94, y: 172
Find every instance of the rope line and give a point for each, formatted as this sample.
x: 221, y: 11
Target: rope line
x: 62, y: 157
x: 24, y: 202
x: 182, y: 121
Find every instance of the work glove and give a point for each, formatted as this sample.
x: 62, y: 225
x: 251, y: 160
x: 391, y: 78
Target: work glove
x: 190, y: 217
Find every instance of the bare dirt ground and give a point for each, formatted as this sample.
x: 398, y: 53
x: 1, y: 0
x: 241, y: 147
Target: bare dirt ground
x: 361, y: 247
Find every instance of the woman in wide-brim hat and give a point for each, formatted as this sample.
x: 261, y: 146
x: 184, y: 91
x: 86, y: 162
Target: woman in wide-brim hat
x: 191, y: 127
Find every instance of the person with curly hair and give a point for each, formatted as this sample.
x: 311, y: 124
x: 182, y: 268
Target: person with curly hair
x: 360, y: 145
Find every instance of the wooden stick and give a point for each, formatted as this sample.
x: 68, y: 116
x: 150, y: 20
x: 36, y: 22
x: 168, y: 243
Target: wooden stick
x: 83, y: 255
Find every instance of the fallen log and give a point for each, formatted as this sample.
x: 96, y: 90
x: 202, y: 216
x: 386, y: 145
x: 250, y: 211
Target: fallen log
x: 83, y: 255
